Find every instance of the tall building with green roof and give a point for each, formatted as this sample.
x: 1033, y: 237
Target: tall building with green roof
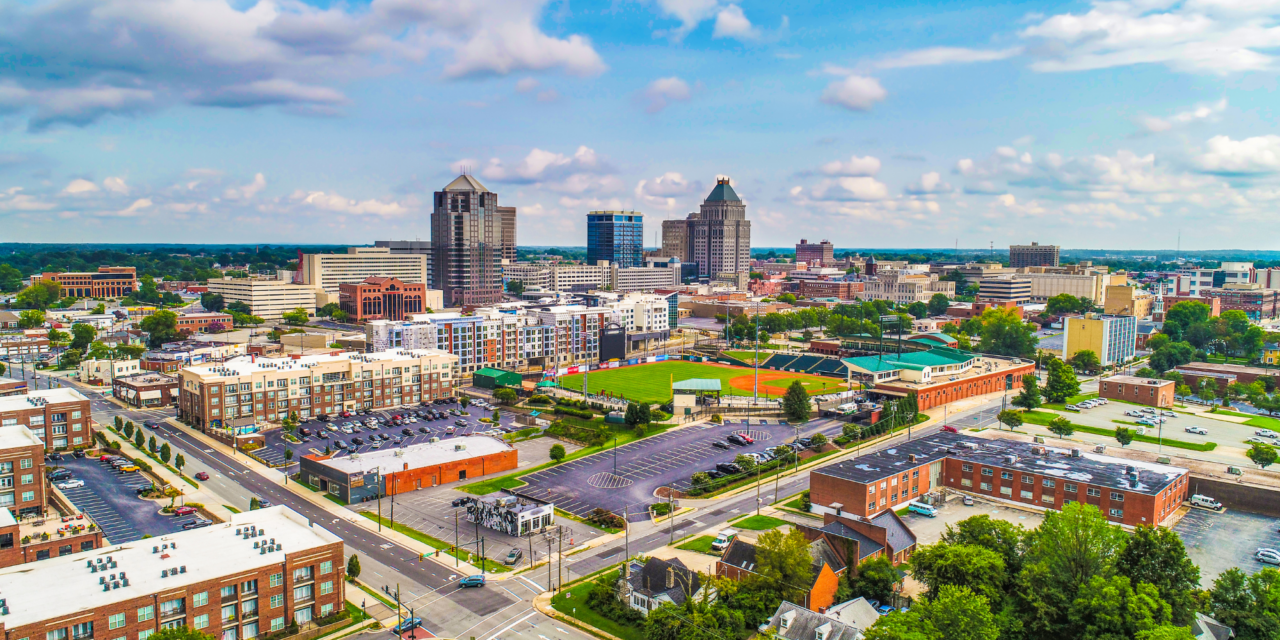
x: 717, y: 238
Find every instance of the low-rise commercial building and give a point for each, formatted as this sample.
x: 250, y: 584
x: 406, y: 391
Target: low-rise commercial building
x: 1127, y: 300
x: 840, y: 289
x: 1152, y: 392
x: 939, y: 375
x: 1113, y: 339
x: 512, y: 515
x: 248, y: 578
x: 104, y: 371
x: 172, y: 356
x: 386, y: 298
x: 905, y: 287
x: 12, y: 387
x: 146, y: 390
x: 1004, y: 290
x: 22, y: 480
x: 1128, y: 492
x: 23, y: 348
x: 58, y: 417
x: 363, y: 477
x: 268, y: 299
x: 1257, y: 303
x: 1223, y: 374
x: 107, y: 282
x: 237, y: 396
x: 200, y: 322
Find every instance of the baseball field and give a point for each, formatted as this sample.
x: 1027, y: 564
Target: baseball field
x: 651, y: 383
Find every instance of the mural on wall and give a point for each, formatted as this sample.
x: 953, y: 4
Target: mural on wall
x: 511, y: 515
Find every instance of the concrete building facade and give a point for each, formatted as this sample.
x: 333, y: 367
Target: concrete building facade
x: 106, y: 282
x: 816, y: 253
x: 269, y: 299
x: 717, y: 238
x: 1033, y: 255
x: 466, y: 240
x: 1113, y: 338
x: 326, y: 272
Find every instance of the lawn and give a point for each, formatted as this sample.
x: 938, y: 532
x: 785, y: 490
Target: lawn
x: 1072, y: 400
x: 1043, y: 418
x: 759, y: 523
x: 651, y: 383
x: 1263, y: 422
x: 701, y: 544
x: 572, y: 602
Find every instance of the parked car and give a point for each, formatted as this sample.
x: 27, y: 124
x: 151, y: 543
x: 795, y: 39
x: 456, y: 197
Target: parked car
x: 1267, y: 556
x: 196, y: 524
x: 746, y: 437
x: 1257, y: 440
x: 513, y: 557
x: 720, y: 444
x: 472, y: 581
x: 884, y: 609
x: 968, y: 501
x: 950, y: 429
x: 202, y: 476
x: 408, y: 624
x: 1266, y: 433
x: 406, y: 431
x: 737, y: 439
x: 458, y: 502
x: 184, y: 511
x: 424, y: 430
x: 129, y: 468
x: 728, y: 468
x: 340, y: 444
x: 59, y: 474
x: 357, y: 441
x: 714, y: 473
x: 70, y: 484
x: 1197, y: 430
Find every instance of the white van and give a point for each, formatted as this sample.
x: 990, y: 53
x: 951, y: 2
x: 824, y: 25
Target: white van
x: 723, y: 539
x: 1205, y: 502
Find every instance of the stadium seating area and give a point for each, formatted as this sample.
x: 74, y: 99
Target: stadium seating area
x: 817, y: 365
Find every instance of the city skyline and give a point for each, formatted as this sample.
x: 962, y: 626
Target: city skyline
x: 303, y: 123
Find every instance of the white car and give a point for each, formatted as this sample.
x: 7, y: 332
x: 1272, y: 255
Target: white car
x: 1267, y: 556
x: 70, y: 484
x: 1266, y: 433
x: 1257, y: 440
x: 1201, y: 431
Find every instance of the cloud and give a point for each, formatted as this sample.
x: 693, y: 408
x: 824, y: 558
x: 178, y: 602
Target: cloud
x: 1202, y: 113
x: 116, y: 185
x: 853, y: 92
x: 247, y: 191
x: 943, y: 55
x: 525, y: 85
x: 1201, y: 36
x: 74, y: 62
x: 13, y: 199
x: 731, y: 22
x: 1256, y: 155
x: 664, y: 190
x: 334, y: 203
x: 689, y: 12
x: 860, y: 188
x: 80, y: 185
x: 930, y: 182
x: 867, y: 166
x: 136, y: 208
x: 663, y: 91
x: 583, y: 172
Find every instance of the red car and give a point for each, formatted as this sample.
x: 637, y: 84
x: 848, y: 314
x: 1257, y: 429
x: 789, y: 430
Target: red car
x: 950, y: 429
x: 184, y: 511
x: 202, y: 476
x: 748, y: 438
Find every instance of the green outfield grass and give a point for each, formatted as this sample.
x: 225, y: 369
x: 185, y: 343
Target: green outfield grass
x: 652, y: 382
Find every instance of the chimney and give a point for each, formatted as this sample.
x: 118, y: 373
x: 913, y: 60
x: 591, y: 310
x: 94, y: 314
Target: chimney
x: 671, y: 577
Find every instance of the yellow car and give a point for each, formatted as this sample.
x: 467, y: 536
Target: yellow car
x: 130, y: 469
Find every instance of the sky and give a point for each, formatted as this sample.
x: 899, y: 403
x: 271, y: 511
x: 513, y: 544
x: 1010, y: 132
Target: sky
x: 1113, y: 125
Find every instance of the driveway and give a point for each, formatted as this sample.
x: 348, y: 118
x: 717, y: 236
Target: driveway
x: 108, y: 497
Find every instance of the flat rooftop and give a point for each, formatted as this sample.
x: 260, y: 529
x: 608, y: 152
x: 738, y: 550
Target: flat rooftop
x: 1155, y: 382
x: 65, y: 586
x: 149, y: 377
x: 18, y: 436
x: 1089, y: 468
x: 1225, y: 368
x: 245, y: 365
x: 418, y: 455
x: 50, y: 396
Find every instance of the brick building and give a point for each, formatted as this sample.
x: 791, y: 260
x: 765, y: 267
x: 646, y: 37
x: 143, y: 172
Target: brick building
x: 146, y: 390
x: 403, y: 469
x: 831, y: 289
x: 27, y: 541
x: 13, y: 387
x: 1257, y: 303
x: 241, y: 580
x: 386, y: 298
x: 23, y: 348
x: 1149, y: 391
x: 1128, y: 492
x: 58, y: 417
x: 22, y: 482
x: 107, y: 282
x: 1223, y: 374
x: 738, y: 562
x: 939, y: 375
x: 199, y: 322
x: 1215, y: 305
x: 816, y: 253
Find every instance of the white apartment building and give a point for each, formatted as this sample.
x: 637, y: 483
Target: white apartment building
x: 905, y: 287
x: 239, y: 395
x: 645, y: 278
x: 325, y: 271
x: 268, y: 299
x: 105, y: 371
x: 1195, y: 281
x: 488, y: 338
x: 587, y: 277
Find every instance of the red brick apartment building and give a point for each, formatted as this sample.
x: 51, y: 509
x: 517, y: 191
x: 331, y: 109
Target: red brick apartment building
x: 22, y: 483
x: 108, y: 282
x: 199, y: 322
x: 240, y: 580
x: 382, y: 298
x: 831, y: 289
x: 58, y: 417
x: 940, y: 375
x: 1128, y: 492
x: 1149, y: 391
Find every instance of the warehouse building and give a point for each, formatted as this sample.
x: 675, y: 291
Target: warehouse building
x: 488, y: 378
x: 364, y: 476
x: 512, y: 515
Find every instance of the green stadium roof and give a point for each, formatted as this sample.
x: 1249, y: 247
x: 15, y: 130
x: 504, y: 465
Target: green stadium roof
x: 936, y: 357
x: 697, y: 384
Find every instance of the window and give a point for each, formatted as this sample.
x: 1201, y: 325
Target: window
x: 115, y: 621
x: 1116, y: 513
x: 1094, y: 492
x: 965, y: 482
x: 326, y: 567
x: 302, y: 594
x: 277, y: 579
x: 1028, y: 480
x: 172, y: 607
x: 228, y: 613
x: 301, y: 573
x: 1046, y: 498
x: 986, y: 471
x: 56, y: 634
x: 248, y: 587
x: 249, y: 609
x: 966, y: 468
x: 248, y: 631
x: 1027, y: 495
x: 28, y: 496
x: 26, y: 463
x: 277, y: 601
x: 143, y: 635
x: 228, y: 592
x: 1006, y: 491
x: 1006, y: 475
x: 985, y: 486
x: 1047, y: 482
x: 871, y: 489
x: 326, y: 588
x: 277, y: 624
x: 871, y: 506
x: 302, y: 616
x: 82, y: 630
x: 146, y: 613
x: 1117, y: 496
x: 200, y: 599
x: 230, y: 634
x: 201, y: 621
x: 1069, y: 487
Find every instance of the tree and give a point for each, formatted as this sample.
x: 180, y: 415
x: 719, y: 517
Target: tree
x: 874, y: 578
x: 1109, y: 607
x: 151, y: 445
x: 255, y: 503
x: 1069, y: 548
x: 1003, y: 537
x: 1062, y: 382
x: 465, y: 401
x: 166, y: 453
x: 1156, y: 556
x: 506, y: 396
x: 139, y: 440
x: 959, y: 565
x: 128, y: 429
x: 40, y: 295
x: 180, y: 633
x: 1250, y: 605
x: 1166, y: 632
x: 1065, y: 303
x: 10, y: 278
x: 515, y: 287
x: 938, y: 304
x: 1029, y: 397
x: 296, y: 317
x: 161, y: 327
x: 327, y: 310
x: 212, y: 302
x: 1061, y: 427
x: 71, y: 358
x: 1261, y: 454
x: 818, y: 440
x: 956, y: 613
x: 557, y: 452
x: 788, y: 298
x: 785, y: 567
x: 343, y: 316
x: 239, y: 307
x: 179, y: 462
x: 130, y: 351
x: 1156, y: 341
x: 118, y: 422
x: 288, y: 454
x: 1086, y: 360
x: 1004, y: 333
x: 215, y: 327
x: 1181, y: 316
x: 57, y: 337
x: 1183, y: 390
x: 30, y: 319
x: 918, y: 309
x: 745, y: 461
x: 795, y: 403
x: 1124, y: 435
x: 1010, y: 418
x: 1172, y: 355
x: 82, y: 336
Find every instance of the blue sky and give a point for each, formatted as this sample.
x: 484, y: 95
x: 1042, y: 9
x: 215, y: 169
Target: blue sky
x: 1100, y: 125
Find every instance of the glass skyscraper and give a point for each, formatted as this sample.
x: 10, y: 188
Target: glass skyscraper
x: 616, y: 236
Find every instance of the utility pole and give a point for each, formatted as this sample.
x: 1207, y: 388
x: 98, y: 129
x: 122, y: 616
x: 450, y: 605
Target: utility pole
x: 626, y: 533
x: 455, y: 538
x: 671, y: 528
x: 550, y: 585
x: 560, y: 568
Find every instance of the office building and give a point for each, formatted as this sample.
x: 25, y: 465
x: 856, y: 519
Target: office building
x: 58, y: 417
x: 248, y: 578
x: 267, y: 299
x: 146, y: 390
x: 1112, y: 338
x: 972, y: 272
x: 1033, y: 255
x: 387, y: 472
x: 1128, y: 492
x: 384, y: 297
x: 838, y: 289
x: 717, y: 238
x: 616, y: 236
x: 200, y: 322
x: 1152, y: 392
x: 22, y: 476
x: 326, y: 272
x: 415, y: 247
x: 1257, y: 303
x: 507, y: 217
x: 816, y: 254
x: 581, y: 278
x: 106, y: 282
x: 1091, y: 285
x: 466, y: 240
x: 1127, y: 300
x: 1197, y: 282
x: 904, y: 287
x: 1004, y: 289
x: 239, y: 395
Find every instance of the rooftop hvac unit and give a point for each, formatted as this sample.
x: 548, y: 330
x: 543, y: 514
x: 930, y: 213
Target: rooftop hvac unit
x: 1102, y: 448
x: 1011, y: 459
x: 1075, y: 452
x: 911, y: 457
x: 460, y: 447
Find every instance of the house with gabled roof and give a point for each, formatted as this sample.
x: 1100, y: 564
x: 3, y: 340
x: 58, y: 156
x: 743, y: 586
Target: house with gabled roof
x: 649, y: 585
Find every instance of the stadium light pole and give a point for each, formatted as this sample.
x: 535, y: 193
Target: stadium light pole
x: 755, y: 385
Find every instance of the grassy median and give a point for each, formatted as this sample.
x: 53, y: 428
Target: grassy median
x: 1043, y: 419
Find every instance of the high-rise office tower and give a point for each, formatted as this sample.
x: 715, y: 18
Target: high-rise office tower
x: 616, y: 236
x: 467, y: 243
x: 1033, y: 255
x: 717, y: 238
x: 508, y: 241
x: 816, y: 254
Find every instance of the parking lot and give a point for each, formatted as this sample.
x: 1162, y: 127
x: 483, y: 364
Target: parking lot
x: 1219, y: 541
x: 108, y: 497
x: 929, y: 530
x: 642, y: 466
x: 276, y: 444
x: 1226, y: 434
